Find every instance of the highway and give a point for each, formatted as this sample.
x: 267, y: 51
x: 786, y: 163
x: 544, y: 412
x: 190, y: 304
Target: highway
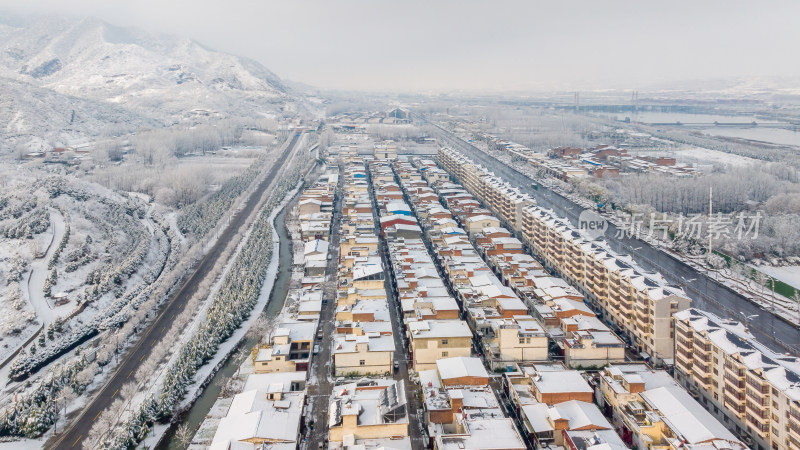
x: 80, y: 426
x: 705, y: 292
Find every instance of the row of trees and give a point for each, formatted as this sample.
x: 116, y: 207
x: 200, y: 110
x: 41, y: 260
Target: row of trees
x: 230, y: 306
x: 156, y: 146
x: 198, y: 218
x: 62, y: 244
x: 130, y: 257
x: 36, y: 411
x: 168, y: 253
x: 734, y: 190
x: 28, y: 225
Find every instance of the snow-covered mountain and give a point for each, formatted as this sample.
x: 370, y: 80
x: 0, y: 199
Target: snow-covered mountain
x: 156, y: 76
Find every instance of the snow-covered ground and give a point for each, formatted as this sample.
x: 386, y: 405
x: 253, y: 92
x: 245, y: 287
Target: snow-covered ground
x: 45, y: 309
x: 694, y: 154
x: 225, y: 349
x: 788, y: 274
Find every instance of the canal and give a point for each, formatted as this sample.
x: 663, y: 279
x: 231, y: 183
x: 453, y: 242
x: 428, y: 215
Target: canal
x: 195, y: 416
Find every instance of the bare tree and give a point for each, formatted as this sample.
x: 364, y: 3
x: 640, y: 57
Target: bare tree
x: 762, y: 280
x: 184, y: 435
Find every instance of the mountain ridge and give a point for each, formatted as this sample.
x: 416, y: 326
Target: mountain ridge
x: 159, y: 78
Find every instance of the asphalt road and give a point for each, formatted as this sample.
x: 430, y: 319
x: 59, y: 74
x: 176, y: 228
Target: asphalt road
x: 705, y: 292
x: 401, y: 352
x: 320, y: 386
x: 80, y: 426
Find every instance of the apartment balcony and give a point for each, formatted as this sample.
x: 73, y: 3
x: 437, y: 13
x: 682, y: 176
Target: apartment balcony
x: 683, y: 362
x: 599, y: 289
x: 734, y: 400
x: 701, y: 368
x: 736, y: 384
x: 734, y: 369
x: 704, y: 381
x: 642, y: 318
x: 684, y: 332
x: 758, y: 424
x: 684, y: 344
x: 624, y: 308
x: 757, y: 389
x: 757, y: 408
x: 794, y: 440
x: 703, y: 348
x: 794, y: 431
x: 685, y: 355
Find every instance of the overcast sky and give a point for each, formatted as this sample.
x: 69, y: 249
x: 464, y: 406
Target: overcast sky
x: 461, y: 44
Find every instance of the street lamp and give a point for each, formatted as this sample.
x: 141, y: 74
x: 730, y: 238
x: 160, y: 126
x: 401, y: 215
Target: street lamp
x: 748, y: 318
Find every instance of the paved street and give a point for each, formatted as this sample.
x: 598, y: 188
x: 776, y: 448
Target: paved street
x: 401, y: 352
x: 320, y: 384
x: 706, y: 293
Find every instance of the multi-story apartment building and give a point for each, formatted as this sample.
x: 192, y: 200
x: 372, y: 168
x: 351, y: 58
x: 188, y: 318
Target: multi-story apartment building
x: 652, y: 411
x: 499, y: 196
x: 754, y: 390
x: 637, y: 302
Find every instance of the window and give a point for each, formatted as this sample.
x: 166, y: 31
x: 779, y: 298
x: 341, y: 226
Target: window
x: 521, y: 340
x: 444, y: 341
x: 444, y: 354
x: 361, y: 362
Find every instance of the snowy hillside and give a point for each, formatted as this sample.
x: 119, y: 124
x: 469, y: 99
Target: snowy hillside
x: 160, y: 77
x: 39, y: 116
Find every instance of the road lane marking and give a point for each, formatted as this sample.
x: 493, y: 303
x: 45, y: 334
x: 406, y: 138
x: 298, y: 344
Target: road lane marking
x: 129, y: 374
x: 76, y: 440
x: 95, y: 417
x: 173, y: 316
x: 140, y: 359
x: 115, y: 393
